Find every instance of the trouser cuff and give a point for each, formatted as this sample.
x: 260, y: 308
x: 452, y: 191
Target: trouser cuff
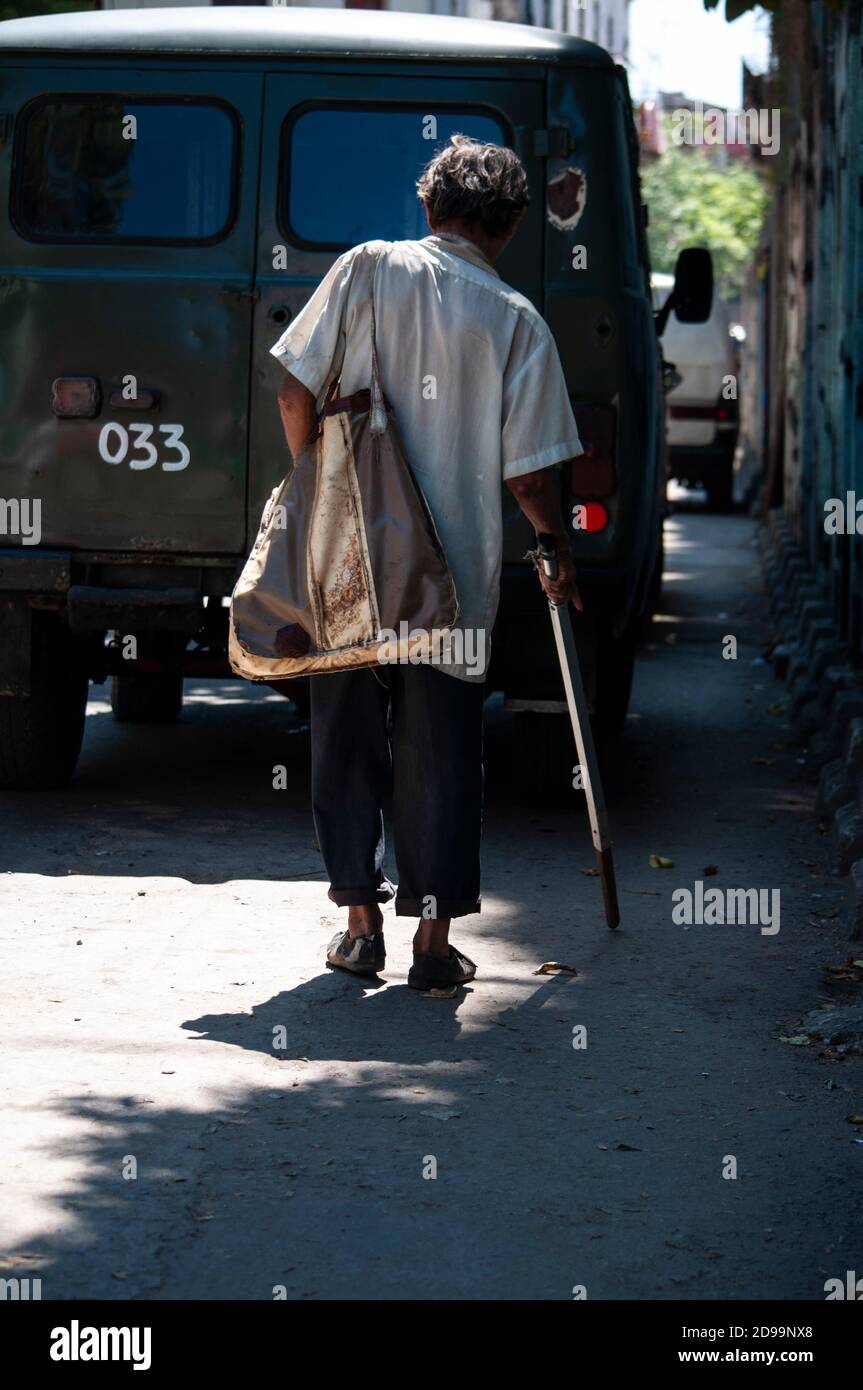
x: 444, y: 907
x: 362, y: 897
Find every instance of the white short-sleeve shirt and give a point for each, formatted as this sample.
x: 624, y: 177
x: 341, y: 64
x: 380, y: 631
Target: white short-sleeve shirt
x: 474, y: 378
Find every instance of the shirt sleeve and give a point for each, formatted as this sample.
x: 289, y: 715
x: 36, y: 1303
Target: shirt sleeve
x: 312, y: 348
x: 538, y: 427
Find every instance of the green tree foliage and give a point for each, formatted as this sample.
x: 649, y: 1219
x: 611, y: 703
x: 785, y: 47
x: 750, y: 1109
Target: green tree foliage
x: 694, y: 201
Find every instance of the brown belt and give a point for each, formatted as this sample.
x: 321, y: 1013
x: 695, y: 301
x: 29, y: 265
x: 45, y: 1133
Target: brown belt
x: 360, y: 400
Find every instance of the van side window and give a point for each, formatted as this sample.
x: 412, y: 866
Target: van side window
x: 104, y: 168
x: 348, y: 171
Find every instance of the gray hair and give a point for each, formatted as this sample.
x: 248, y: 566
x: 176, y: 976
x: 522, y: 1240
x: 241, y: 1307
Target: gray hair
x: 475, y: 183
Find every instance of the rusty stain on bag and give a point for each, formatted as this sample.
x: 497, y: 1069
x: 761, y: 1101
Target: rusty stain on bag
x: 345, y: 602
x: 346, y: 596
x: 292, y: 640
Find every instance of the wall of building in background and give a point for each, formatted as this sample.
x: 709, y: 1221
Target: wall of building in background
x: 805, y: 297
x: 605, y: 22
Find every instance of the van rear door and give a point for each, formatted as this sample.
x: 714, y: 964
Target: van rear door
x: 126, y: 267
x: 340, y: 156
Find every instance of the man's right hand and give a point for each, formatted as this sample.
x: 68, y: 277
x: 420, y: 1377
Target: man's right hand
x: 538, y: 495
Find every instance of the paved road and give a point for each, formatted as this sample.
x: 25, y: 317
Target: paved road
x: 165, y: 917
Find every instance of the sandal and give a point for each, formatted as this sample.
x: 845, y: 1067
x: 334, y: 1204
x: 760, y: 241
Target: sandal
x: 438, y: 972
x: 362, y: 955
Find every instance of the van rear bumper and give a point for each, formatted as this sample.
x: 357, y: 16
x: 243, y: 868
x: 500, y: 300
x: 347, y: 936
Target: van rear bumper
x: 94, y: 607
x: 35, y: 571
x: 94, y: 594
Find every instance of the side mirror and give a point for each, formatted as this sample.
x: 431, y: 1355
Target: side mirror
x: 692, y: 295
x: 693, y: 285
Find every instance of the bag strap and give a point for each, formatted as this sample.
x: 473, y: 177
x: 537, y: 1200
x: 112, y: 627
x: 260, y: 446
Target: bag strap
x: 318, y: 425
x: 378, y: 403
x: 378, y: 415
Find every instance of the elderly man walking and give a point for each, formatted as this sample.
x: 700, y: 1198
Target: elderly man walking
x: 473, y: 376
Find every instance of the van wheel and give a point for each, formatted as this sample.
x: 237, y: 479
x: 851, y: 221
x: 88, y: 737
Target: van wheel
x: 655, y: 590
x: 544, y: 757
x: 41, y: 733
x: 615, y: 663
x: 156, y: 699
x: 720, y: 492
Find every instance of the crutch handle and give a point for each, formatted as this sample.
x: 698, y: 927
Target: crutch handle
x: 546, y: 549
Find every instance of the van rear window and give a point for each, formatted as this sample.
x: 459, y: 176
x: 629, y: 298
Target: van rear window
x: 103, y: 168
x: 348, y: 172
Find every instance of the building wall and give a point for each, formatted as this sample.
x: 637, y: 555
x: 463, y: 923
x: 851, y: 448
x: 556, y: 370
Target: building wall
x: 809, y: 355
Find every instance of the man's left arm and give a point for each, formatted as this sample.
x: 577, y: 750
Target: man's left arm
x: 312, y: 350
x: 297, y: 408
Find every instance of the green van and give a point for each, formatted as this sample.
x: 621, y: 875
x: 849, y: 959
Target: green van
x: 176, y: 182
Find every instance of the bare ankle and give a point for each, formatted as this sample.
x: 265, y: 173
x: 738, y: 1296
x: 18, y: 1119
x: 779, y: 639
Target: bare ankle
x: 364, y: 919
x: 432, y: 936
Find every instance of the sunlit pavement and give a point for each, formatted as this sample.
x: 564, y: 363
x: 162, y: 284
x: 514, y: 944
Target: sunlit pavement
x: 196, y: 1108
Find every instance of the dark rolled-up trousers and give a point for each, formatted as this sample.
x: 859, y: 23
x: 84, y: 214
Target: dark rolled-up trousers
x: 421, y: 730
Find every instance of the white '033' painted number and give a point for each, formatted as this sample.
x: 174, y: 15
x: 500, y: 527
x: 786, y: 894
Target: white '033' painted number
x: 114, y: 446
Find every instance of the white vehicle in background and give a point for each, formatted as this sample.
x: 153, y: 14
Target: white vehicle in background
x: 702, y: 408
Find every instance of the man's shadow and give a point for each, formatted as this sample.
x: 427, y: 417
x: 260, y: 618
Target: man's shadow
x: 339, y: 1017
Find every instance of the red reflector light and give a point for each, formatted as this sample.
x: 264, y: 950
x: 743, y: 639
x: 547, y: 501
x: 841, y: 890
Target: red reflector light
x: 589, y: 516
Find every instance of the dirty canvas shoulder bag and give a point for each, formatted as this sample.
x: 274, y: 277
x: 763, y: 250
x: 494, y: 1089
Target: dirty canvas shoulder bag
x: 347, y: 569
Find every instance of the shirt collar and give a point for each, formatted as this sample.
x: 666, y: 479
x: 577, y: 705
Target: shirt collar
x: 461, y: 246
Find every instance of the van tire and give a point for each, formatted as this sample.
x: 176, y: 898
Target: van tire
x: 654, y: 593
x: 156, y: 699
x: 720, y: 491
x: 41, y: 733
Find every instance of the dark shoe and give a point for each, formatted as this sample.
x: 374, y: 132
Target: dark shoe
x: 362, y: 955
x: 440, y: 972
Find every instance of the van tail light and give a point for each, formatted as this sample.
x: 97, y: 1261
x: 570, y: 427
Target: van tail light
x: 589, y: 516
x: 593, y: 475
